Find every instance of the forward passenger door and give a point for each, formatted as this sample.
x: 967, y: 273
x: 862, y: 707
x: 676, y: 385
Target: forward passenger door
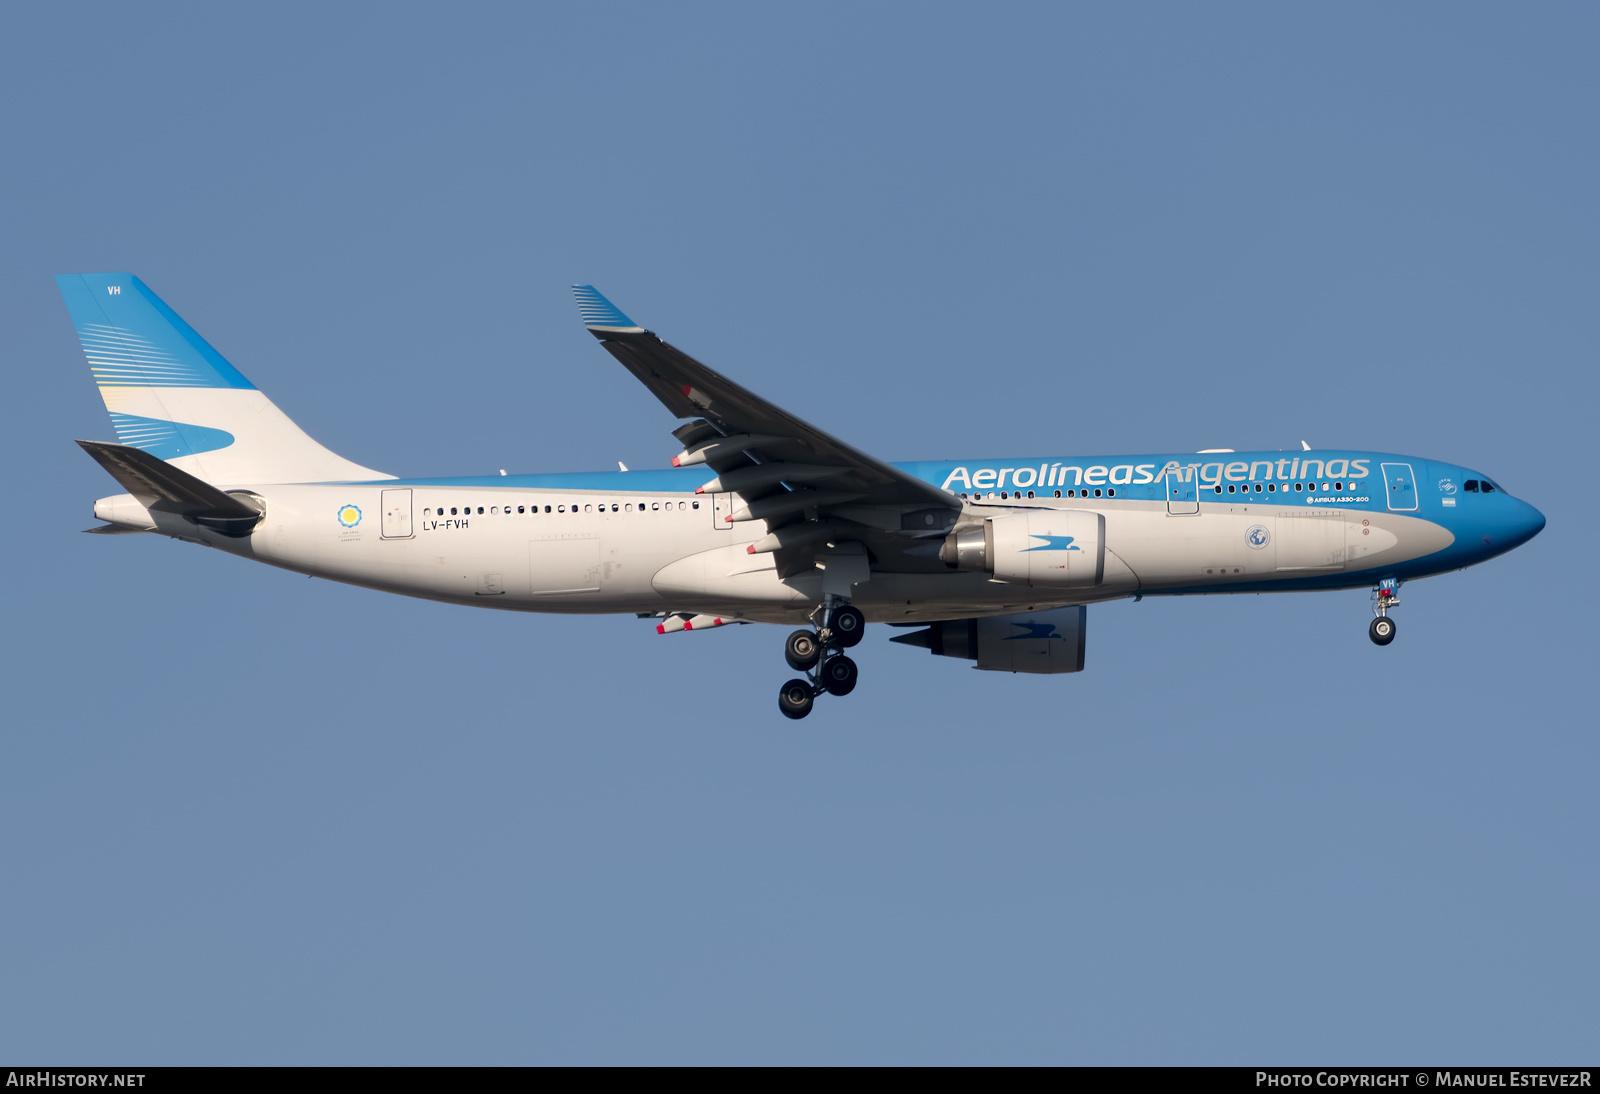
x: 1183, y: 493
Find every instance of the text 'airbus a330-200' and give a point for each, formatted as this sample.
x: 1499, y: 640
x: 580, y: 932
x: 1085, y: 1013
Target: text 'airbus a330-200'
x: 764, y: 518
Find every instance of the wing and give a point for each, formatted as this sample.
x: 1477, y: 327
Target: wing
x: 809, y: 487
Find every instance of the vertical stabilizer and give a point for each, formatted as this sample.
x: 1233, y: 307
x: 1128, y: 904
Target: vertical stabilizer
x: 172, y: 395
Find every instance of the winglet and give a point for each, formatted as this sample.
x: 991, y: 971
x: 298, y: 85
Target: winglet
x: 599, y: 313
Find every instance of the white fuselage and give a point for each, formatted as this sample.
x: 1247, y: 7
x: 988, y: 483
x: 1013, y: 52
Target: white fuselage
x: 584, y: 551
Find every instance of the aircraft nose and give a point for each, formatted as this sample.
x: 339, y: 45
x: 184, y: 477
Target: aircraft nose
x: 1523, y: 524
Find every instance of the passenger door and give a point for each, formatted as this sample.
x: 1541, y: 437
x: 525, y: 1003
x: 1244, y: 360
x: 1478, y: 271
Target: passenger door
x: 396, y: 514
x: 1400, y: 484
x: 1183, y: 493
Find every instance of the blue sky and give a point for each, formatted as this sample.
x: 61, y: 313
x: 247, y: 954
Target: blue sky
x: 252, y: 818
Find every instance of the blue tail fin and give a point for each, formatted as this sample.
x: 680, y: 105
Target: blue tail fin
x: 174, y: 396
x: 132, y: 339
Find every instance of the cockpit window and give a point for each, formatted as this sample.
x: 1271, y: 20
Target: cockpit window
x: 1470, y: 486
x: 1488, y: 487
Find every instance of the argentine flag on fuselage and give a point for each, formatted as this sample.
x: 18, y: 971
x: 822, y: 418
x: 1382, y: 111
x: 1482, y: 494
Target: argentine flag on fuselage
x: 174, y: 396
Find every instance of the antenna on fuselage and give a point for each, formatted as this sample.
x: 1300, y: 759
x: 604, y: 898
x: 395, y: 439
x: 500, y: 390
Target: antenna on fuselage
x: 1304, y: 447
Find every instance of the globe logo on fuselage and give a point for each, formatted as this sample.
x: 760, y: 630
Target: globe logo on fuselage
x: 1257, y: 536
x: 349, y: 516
x: 1446, y: 486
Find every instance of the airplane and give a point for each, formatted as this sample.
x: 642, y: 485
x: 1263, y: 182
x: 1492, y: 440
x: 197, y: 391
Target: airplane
x: 764, y: 518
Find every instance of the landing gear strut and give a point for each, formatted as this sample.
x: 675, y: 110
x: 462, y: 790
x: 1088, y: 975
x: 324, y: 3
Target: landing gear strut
x: 1384, y: 597
x: 817, y: 654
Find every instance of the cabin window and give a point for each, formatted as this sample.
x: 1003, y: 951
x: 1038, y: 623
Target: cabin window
x: 452, y: 510
x: 1058, y: 493
x: 1230, y: 489
x: 1097, y: 492
x: 1272, y: 488
x: 1297, y: 486
x: 1111, y: 493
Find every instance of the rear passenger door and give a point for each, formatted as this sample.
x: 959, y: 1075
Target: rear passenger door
x: 397, y: 514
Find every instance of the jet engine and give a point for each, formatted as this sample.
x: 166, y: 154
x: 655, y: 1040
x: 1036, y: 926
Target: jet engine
x: 1045, y: 548
x: 1043, y: 642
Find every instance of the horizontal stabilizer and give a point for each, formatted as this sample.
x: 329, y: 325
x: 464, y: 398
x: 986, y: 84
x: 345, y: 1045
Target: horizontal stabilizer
x: 159, y: 486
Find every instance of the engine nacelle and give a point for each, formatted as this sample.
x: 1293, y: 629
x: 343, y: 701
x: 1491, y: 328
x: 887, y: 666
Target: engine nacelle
x: 1043, y: 642
x: 1045, y: 548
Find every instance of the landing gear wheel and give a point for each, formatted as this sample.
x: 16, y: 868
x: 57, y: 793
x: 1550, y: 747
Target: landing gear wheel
x: 801, y: 650
x: 795, y: 699
x: 848, y: 626
x: 1382, y: 630
x: 839, y: 675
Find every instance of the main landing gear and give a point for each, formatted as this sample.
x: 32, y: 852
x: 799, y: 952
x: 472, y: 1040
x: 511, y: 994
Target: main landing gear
x: 819, y: 655
x: 1385, y: 596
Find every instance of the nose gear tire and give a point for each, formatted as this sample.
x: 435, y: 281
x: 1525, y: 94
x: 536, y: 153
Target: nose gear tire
x: 1382, y: 630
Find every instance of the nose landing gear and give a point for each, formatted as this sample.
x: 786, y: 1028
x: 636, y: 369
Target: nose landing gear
x: 1384, y: 597
x: 818, y: 654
